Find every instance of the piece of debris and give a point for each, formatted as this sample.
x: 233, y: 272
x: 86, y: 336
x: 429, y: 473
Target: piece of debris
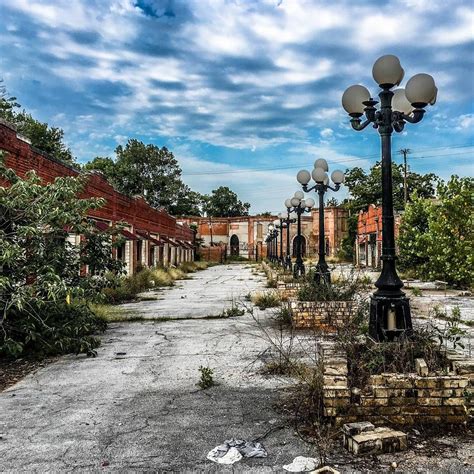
x: 302, y: 464
x: 325, y: 470
x: 226, y: 453
x: 363, y: 438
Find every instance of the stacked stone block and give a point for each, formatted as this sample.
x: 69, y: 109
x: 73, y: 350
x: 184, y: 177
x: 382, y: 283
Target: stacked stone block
x: 288, y: 291
x: 326, y: 316
x: 402, y: 399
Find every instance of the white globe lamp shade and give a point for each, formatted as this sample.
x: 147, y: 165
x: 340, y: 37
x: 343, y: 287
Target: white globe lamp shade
x: 303, y: 177
x: 310, y: 202
x: 295, y: 202
x: 287, y: 202
x: 337, y: 177
x: 321, y: 163
x: 299, y: 194
x: 421, y: 90
x: 303, y: 203
x: 293, y: 215
x: 326, y: 179
x: 270, y: 227
x: 352, y: 100
x: 400, y: 102
x: 318, y: 175
x: 387, y: 71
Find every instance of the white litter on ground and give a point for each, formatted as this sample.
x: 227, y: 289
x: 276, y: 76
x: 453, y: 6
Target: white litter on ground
x: 302, y: 464
x: 233, y: 450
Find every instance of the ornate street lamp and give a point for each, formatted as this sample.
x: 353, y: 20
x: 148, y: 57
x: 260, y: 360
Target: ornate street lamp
x: 299, y: 206
x: 390, y: 315
x: 269, y: 241
x: 320, y: 176
x: 281, y: 224
x: 290, y: 219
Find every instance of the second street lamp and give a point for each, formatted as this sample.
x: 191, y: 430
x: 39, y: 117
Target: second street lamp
x: 320, y: 176
x: 288, y: 221
x: 390, y: 315
x: 281, y: 226
x: 300, y: 206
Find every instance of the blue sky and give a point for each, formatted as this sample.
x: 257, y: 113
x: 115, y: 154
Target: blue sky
x: 244, y: 93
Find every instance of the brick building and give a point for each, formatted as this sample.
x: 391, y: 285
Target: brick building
x: 153, y: 237
x: 368, y: 244
x: 245, y: 235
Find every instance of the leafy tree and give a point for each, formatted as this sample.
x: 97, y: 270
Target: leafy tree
x: 366, y: 188
x: 225, y: 203
x: 42, y: 136
x: 265, y: 214
x: 8, y: 104
x: 43, y: 288
x: 188, y: 202
x: 332, y: 202
x: 151, y: 172
x: 437, y: 236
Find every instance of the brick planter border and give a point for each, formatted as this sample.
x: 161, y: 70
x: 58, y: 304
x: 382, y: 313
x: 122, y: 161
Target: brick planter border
x: 326, y: 316
x: 401, y: 399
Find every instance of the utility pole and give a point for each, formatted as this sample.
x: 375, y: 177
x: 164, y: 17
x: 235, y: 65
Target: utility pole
x: 405, y: 152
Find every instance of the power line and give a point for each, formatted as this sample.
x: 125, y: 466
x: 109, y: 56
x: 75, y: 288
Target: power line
x: 277, y: 168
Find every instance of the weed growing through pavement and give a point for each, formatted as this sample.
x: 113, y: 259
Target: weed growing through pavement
x: 266, y: 299
x: 206, y: 380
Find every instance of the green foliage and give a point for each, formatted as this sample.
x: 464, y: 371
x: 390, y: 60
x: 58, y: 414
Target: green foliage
x: 206, y: 379
x: 225, y: 203
x: 345, y: 289
x: 42, y: 282
x: 451, y: 333
x: 266, y: 299
x: 437, y: 237
x: 366, y: 188
x: 42, y: 136
x: 151, y: 172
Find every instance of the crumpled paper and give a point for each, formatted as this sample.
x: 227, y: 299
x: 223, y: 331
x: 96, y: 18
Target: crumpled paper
x: 302, y: 464
x: 233, y: 450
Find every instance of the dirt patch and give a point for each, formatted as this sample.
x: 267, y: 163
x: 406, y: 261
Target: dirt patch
x: 12, y: 371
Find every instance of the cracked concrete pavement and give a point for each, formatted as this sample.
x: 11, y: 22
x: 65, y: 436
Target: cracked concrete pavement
x: 137, y: 406
x: 205, y: 293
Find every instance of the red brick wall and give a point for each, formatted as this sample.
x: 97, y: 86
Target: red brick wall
x: 22, y: 157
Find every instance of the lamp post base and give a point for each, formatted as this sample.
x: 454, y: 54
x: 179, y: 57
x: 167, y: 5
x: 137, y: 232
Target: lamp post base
x: 298, y: 270
x: 390, y: 317
x: 288, y: 263
x: 322, y: 276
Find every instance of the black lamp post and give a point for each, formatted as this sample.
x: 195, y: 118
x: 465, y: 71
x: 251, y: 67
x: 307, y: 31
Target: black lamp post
x: 288, y: 221
x: 390, y: 315
x: 280, y: 225
x: 320, y: 176
x: 300, y: 206
x: 272, y: 243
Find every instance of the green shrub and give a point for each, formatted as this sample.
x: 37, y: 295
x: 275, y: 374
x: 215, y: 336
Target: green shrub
x: 344, y: 289
x: 58, y: 328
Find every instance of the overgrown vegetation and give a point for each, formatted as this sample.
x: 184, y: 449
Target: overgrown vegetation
x: 206, y: 379
x: 43, y: 283
x: 437, y: 237
x: 266, y: 299
x: 343, y: 288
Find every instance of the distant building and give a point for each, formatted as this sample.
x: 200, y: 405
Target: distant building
x: 368, y: 244
x: 245, y: 235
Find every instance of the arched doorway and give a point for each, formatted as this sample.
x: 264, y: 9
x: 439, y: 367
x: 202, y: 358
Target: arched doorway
x: 303, y: 246
x: 234, y: 245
